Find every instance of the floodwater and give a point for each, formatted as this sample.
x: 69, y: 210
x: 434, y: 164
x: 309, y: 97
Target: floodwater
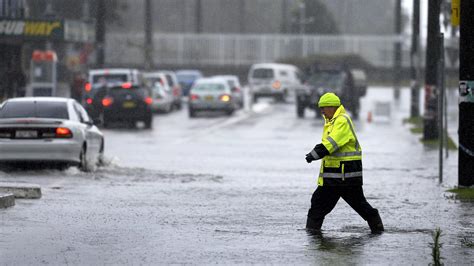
x: 236, y: 190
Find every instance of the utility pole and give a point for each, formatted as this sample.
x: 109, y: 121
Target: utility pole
x: 100, y: 33
x: 242, y: 16
x: 397, y: 62
x: 198, y: 16
x: 284, y: 16
x: 430, y: 120
x: 302, y: 12
x: 466, y: 90
x: 415, y: 61
x: 148, y: 35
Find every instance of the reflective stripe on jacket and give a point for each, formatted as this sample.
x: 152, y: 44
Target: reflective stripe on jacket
x: 343, y: 165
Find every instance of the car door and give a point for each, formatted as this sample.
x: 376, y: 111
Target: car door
x: 92, y: 134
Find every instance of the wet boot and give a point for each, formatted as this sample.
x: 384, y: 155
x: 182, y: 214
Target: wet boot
x: 314, y: 225
x: 375, y: 224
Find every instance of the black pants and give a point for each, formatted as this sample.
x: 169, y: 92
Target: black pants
x: 325, y: 198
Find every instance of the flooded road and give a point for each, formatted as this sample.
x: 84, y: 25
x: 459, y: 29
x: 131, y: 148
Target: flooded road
x: 236, y: 190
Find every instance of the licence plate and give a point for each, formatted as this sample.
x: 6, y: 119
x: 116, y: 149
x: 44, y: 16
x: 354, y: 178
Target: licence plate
x: 209, y: 98
x: 26, y: 134
x: 129, y: 104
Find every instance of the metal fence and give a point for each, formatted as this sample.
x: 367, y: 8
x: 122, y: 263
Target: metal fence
x: 238, y: 50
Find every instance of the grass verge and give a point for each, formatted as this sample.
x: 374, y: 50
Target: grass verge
x: 463, y: 193
x: 417, y: 128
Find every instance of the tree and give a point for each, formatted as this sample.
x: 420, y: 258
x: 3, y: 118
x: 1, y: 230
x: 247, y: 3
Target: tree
x: 318, y: 19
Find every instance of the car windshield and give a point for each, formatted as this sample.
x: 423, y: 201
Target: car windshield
x: 34, y: 109
x: 263, y: 73
x: 209, y: 87
x: 109, y: 78
x: 326, y: 79
x: 186, y: 77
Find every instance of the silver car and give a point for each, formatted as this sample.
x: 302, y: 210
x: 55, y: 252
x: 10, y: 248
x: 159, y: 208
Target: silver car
x: 235, y: 86
x: 162, y: 99
x: 49, y: 130
x: 210, y: 94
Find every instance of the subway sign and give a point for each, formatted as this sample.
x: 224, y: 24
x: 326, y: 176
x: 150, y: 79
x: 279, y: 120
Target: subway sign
x: 27, y: 29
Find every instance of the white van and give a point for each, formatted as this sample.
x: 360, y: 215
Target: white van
x: 273, y: 80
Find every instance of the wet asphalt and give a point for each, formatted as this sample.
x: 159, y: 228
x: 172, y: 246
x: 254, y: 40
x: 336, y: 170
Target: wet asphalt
x: 234, y: 190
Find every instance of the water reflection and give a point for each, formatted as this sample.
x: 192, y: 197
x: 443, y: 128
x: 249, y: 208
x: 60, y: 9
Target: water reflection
x: 342, y: 244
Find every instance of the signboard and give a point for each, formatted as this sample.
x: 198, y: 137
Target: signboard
x: 455, y: 12
x: 61, y: 30
x: 43, y: 29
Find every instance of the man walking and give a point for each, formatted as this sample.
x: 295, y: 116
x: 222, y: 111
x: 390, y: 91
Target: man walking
x: 341, y: 168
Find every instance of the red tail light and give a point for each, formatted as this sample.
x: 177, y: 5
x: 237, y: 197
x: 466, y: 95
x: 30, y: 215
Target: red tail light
x: 148, y: 100
x: 107, y: 101
x: 127, y: 85
x: 194, y: 97
x: 88, y: 86
x: 225, y: 98
x: 236, y: 89
x: 63, y: 132
x: 176, y: 91
x: 89, y: 100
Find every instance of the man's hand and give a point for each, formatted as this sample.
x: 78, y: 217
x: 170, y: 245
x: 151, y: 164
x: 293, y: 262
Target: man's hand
x: 309, y: 158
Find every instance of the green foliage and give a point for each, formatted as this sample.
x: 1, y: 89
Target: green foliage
x: 436, y: 247
x: 467, y: 243
x: 73, y: 9
x: 463, y: 193
x: 417, y: 128
x: 319, y: 18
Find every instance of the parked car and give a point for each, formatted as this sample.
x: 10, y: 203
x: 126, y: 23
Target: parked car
x: 127, y: 103
x: 274, y: 80
x: 234, y: 83
x: 208, y: 94
x: 169, y: 82
x: 186, y: 78
x: 176, y: 89
x: 101, y: 79
x: 49, y: 130
x: 162, y: 99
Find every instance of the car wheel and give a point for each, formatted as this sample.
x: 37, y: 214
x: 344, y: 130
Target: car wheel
x: 148, y: 122
x: 300, y: 110
x: 255, y: 99
x: 230, y: 112
x: 84, y: 163
x: 192, y: 113
x: 101, y: 159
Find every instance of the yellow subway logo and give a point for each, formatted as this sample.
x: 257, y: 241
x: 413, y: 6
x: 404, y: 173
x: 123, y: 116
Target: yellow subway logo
x: 30, y: 28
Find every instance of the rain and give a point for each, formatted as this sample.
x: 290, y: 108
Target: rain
x: 175, y: 132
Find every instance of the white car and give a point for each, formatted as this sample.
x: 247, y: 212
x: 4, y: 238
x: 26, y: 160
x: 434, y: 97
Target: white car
x: 162, y: 99
x: 234, y: 84
x: 49, y: 130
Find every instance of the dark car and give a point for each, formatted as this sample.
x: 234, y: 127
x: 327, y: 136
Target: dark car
x: 186, y: 79
x: 127, y: 104
x: 320, y: 80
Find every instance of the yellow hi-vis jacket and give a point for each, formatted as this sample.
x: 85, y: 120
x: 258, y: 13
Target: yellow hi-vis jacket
x: 343, y: 165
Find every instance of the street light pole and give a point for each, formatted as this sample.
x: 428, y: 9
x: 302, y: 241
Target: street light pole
x: 398, y: 50
x: 148, y: 35
x: 302, y: 12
